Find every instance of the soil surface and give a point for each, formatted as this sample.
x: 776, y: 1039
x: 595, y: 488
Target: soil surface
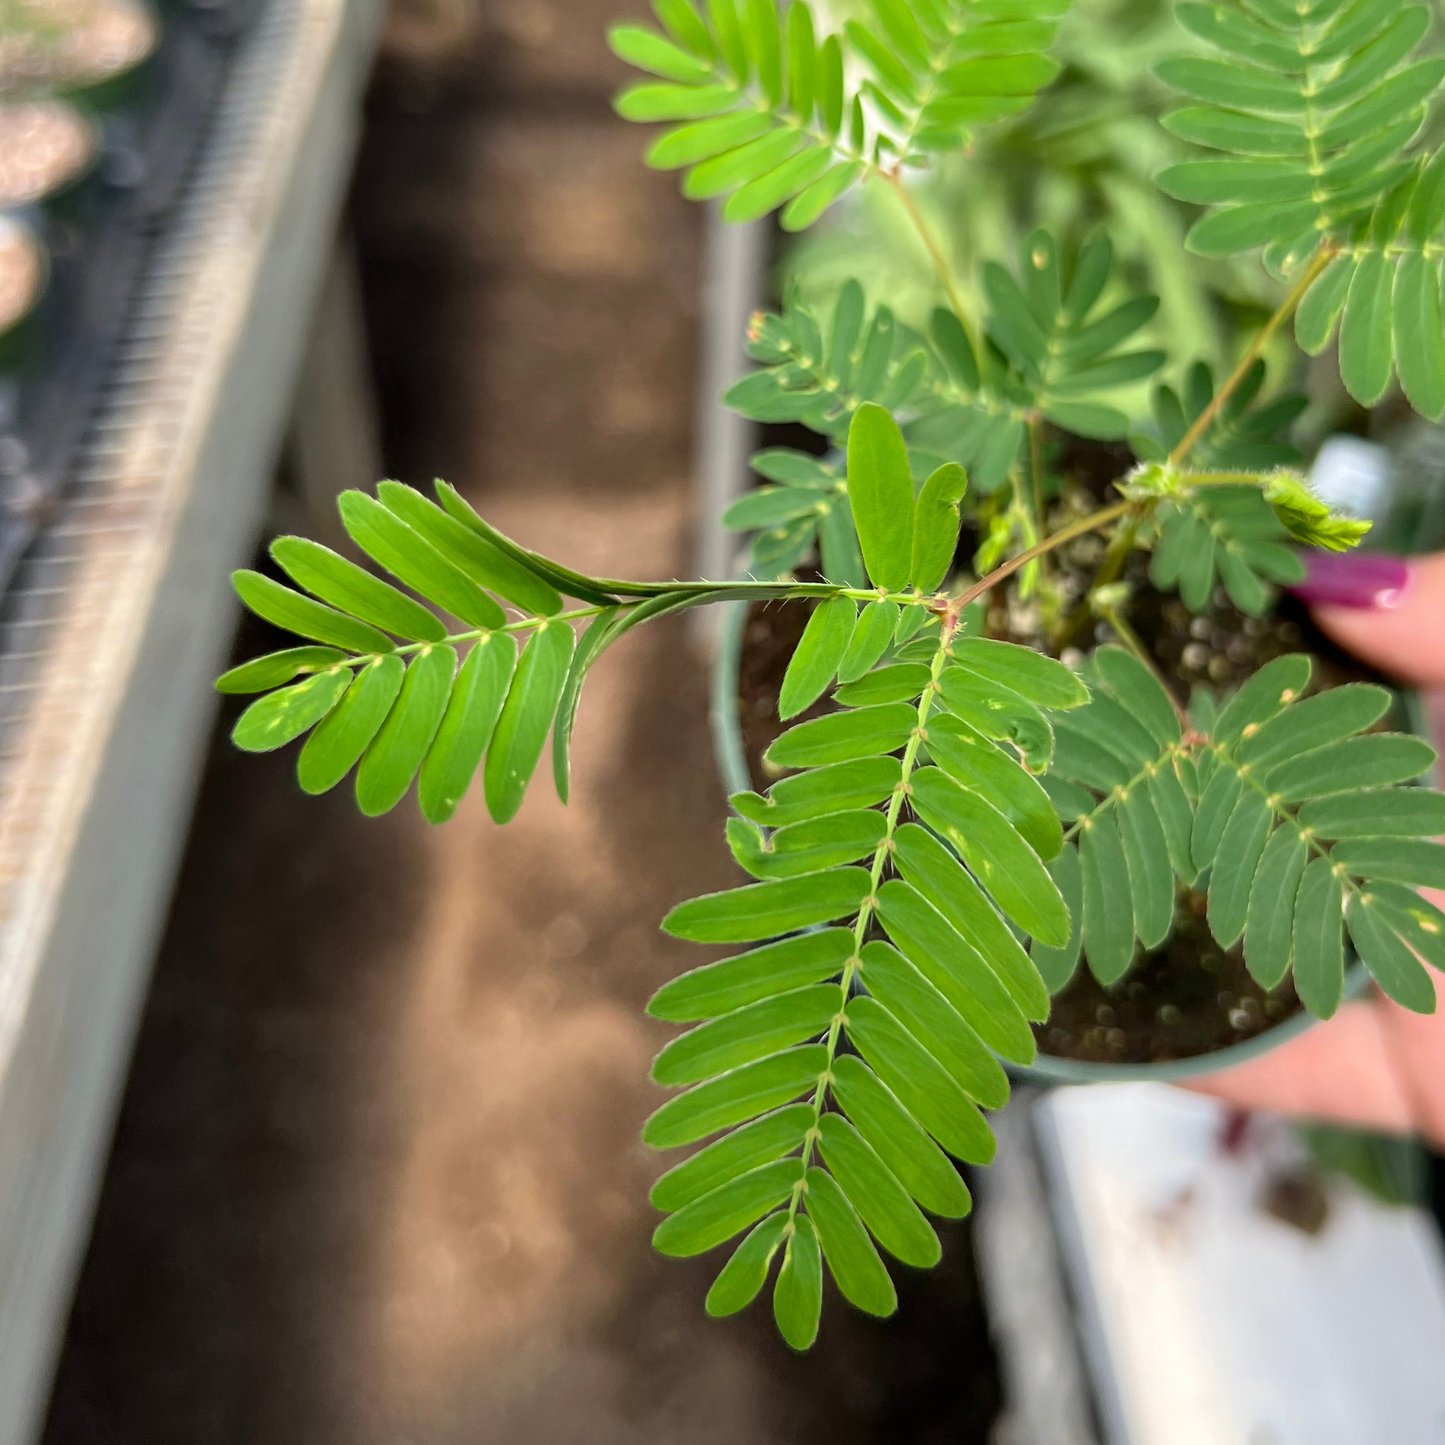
x: 377, y: 1176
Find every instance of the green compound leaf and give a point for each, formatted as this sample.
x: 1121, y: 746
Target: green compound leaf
x: 1224, y: 535
x: 750, y: 1033
x: 744, y: 1275
x: 1273, y: 752
x: 851, y: 1257
x: 919, y: 1082
x: 348, y: 587
x: 279, y: 717
x: 815, y: 661
x: 746, y: 1148
x: 466, y: 727
x: 397, y: 752
x: 293, y: 612
x: 840, y: 737
x: 869, y: 641
x: 735, y: 1097
x: 899, y: 1140
x: 728, y: 1210
x: 974, y: 762
x: 880, y: 492
x: 822, y: 791
x: 263, y: 673
x: 719, y: 988
x: 996, y: 854
x: 764, y: 910
x: 892, y: 1217
x: 407, y: 555
x: 1336, y: 143
x: 798, y: 1294
x: 526, y: 718
x: 338, y: 742
x: 936, y: 525
x: 1269, y: 923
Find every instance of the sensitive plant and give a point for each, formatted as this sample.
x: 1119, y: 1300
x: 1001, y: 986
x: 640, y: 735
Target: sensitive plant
x: 960, y: 822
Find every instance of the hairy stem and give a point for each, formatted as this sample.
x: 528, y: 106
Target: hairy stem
x: 700, y: 590
x: 1091, y: 523
x: 869, y: 905
x: 1036, y: 472
x: 1202, y: 422
x: 1120, y: 546
x: 1118, y: 794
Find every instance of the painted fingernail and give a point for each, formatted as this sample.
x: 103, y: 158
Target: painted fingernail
x: 1353, y: 579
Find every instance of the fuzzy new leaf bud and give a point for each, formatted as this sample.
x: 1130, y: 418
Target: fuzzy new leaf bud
x: 1307, y: 518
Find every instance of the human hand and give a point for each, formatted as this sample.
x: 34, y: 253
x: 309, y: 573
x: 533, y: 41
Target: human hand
x: 1374, y: 1064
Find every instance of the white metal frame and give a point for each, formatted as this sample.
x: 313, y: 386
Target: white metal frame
x: 119, y: 619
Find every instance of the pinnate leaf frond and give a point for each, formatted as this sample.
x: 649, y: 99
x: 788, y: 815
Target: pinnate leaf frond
x: 775, y: 114
x: 384, y: 695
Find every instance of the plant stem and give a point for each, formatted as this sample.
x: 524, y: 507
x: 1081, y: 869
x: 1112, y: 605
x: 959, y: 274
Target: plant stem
x: 1189, y: 440
x: 1091, y: 523
x: 870, y: 903
x: 1036, y: 472
x: 780, y: 591
x: 1225, y: 479
x: 935, y: 254
x: 1120, y: 545
x: 524, y: 625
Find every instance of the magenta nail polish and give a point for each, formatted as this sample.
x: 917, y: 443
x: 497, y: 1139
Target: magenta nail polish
x: 1353, y: 579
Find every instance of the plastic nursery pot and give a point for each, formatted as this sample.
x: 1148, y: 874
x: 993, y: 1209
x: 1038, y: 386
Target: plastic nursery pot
x: 47, y: 148
x: 92, y: 52
x: 23, y: 274
x: 731, y: 754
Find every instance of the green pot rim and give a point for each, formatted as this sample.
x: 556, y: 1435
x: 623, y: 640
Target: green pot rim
x: 732, y: 763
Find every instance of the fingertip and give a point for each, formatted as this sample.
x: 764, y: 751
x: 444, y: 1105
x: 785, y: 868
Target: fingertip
x: 1387, y: 611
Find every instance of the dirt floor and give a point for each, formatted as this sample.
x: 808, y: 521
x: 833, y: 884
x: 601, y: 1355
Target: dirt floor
x: 377, y: 1177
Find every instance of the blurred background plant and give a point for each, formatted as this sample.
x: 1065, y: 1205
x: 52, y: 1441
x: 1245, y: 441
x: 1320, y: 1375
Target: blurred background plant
x: 1080, y: 160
